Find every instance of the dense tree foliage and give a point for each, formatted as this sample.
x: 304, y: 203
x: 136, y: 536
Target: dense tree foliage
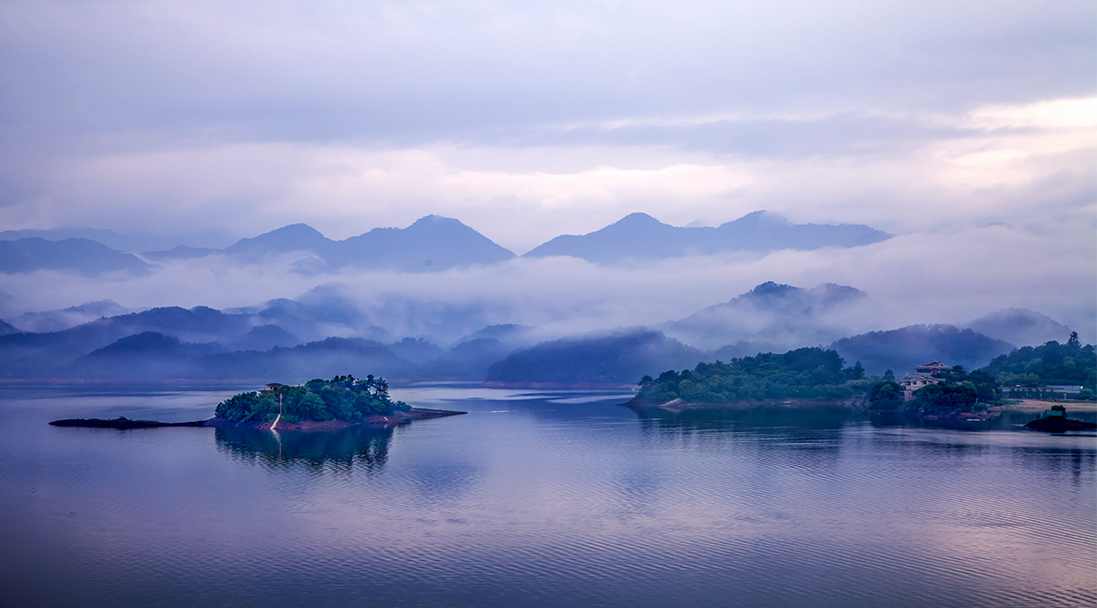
x: 1052, y: 363
x: 805, y: 373
x: 956, y: 390
x: 947, y: 396
x: 343, y: 398
x: 886, y: 395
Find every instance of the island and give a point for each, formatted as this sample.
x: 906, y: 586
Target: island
x: 317, y: 405
x: 1055, y: 420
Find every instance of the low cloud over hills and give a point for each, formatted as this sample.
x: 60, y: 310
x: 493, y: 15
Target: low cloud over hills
x: 1020, y: 326
x: 327, y: 330
x: 771, y: 317
x: 900, y: 350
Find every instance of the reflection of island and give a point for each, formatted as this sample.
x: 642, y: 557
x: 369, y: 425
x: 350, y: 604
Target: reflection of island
x: 746, y: 418
x: 358, y: 446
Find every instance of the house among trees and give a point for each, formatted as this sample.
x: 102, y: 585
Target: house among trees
x: 923, y: 376
x: 931, y: 368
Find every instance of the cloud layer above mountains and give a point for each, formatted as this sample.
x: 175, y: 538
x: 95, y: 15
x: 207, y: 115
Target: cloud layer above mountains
x: 207, y: 122
x: 951, y: 277
x: 969, y: 131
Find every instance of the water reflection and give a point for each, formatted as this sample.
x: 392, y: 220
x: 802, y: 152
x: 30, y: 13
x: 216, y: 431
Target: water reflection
x: 796, y: 425
x: 357, y: 447
x: 537, y: 501
x: 1072, y: 462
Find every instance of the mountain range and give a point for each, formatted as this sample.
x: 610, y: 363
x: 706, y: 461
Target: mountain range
x: 79, y: 256
x: 639, y: 236
x: 131, y: 243
x: 431, y: 243
x: 64, y: 318
x: 326, y: 331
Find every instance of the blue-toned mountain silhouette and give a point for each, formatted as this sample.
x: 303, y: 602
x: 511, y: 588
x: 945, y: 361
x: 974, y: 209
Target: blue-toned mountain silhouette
x: 1020, y: 326
x: 81, y: 256
x: 431, y: 243
x: 771, y: 317
x: 639, y: 236
x: 903, y: 349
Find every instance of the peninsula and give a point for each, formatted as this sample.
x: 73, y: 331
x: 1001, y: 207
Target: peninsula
x: 805, y: 377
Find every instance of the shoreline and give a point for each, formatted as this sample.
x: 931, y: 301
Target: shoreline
x: 680, y: 405
x: 1036, y: 406
x: 123, y: 424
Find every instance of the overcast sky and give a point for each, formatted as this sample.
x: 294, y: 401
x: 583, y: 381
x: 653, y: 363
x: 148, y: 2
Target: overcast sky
x: 210, y: 120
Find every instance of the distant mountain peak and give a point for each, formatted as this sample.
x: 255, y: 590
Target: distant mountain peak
x: 1020, y: 326
x: 764, y: 215
x: 434, y: 221
x: 824, y: 291
x: 298, y: 229
x: 770, y: 288
x: 79, y: 255
x: 637, y: 218
x: 902, y: 349
x: 639, y: 236
x: 772, y: 315
x: 434, y: 218
x: 144, y: 341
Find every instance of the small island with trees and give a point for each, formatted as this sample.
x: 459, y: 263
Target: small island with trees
x: 316, y: 405
x: 320, y: 404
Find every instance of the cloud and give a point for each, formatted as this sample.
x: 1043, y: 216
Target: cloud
x: 946, y: 170
x: 949, y: 276
x: 204, y: 122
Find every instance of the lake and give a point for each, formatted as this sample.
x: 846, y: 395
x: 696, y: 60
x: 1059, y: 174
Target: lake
x: 535, y: 499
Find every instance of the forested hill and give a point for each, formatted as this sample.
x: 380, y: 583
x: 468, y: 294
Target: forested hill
x: 1052, y: 363
x: 805, y: 373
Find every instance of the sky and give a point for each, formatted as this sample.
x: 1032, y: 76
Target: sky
x: 968, y: 130
x: 204, y: 122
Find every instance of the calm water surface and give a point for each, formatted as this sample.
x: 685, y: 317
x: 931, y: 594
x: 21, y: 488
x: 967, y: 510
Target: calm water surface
x: 535, y: 499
